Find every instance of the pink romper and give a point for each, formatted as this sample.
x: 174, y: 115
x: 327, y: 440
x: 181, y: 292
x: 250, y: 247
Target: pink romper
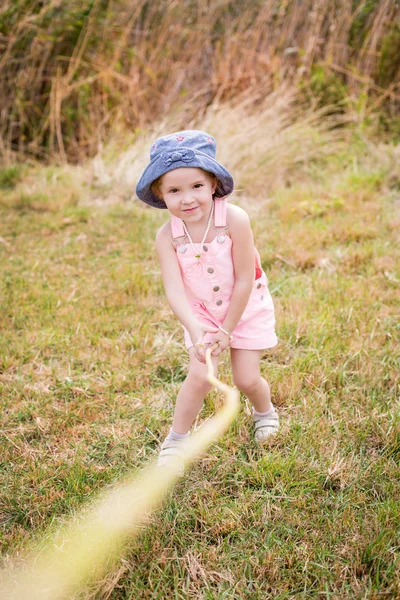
x: 209, y: 283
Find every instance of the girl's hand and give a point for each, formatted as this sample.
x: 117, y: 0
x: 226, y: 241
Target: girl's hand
x: 197, y: 334
x: 223, y: 340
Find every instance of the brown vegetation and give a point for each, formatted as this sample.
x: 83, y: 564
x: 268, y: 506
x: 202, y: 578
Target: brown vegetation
x: 72, y: 72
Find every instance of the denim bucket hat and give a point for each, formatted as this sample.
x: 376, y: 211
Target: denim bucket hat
x: 190, y: 148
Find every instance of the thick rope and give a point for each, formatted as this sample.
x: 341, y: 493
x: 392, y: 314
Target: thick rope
x: 92, y: 543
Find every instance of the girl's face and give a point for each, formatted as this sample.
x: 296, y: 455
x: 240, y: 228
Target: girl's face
x: 188, y: 193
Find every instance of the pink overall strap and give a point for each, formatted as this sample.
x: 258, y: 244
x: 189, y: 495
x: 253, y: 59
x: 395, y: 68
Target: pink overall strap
x: 177, y: 228
x: 220, y: 205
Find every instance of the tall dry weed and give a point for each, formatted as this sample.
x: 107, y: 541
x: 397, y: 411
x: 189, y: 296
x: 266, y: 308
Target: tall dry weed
x: 72, y: 72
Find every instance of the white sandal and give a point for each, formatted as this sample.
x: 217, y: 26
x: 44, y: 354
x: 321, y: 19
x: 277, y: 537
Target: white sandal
x: 266, y: 426
x: 172, y: 455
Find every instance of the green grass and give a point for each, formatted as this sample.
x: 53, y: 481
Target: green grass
x: 91, y: 360
x: 10, y: 176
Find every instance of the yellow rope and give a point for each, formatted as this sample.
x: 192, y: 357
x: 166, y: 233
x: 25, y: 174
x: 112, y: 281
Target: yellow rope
x: 93, y: 542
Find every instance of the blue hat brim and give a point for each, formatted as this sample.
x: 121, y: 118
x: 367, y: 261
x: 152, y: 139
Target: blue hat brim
x: 157, y: 167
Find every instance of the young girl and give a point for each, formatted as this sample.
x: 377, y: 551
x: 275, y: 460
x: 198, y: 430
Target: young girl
x: 212, y: 277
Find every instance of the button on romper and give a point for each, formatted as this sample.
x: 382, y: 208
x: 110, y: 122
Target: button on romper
x: 209, y: 282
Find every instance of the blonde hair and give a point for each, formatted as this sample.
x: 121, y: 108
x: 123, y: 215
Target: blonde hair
x: 155, y: 187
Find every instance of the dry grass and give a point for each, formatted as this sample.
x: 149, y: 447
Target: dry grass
x: 71, y: 73
x: 94, y: 539
x: 279, y: 141
x: 91, y: 361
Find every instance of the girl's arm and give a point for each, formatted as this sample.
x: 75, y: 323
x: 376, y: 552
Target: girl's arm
x: 243, y: 264
x: 175, y: 290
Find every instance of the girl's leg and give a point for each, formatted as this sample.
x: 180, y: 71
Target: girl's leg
x: 192, y: 393
x: 247, y: 377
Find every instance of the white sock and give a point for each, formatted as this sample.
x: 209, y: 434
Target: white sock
x: 264, y: 414
x: 173, y: 435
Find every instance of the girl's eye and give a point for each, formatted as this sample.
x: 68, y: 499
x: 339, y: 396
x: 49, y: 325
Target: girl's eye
x: 173, y: 191
x: 198, y: 185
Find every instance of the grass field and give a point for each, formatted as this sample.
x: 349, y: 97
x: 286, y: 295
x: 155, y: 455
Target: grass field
x: 91, y: 359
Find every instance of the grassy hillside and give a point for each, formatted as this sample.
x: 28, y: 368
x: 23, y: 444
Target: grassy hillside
x: 91, y: 360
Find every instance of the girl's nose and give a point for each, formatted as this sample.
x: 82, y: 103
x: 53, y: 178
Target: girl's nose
x: 187, y: 198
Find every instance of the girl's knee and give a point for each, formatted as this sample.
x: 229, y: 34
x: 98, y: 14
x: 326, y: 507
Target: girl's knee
x: 198, y: 380
x: 247, y: 383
